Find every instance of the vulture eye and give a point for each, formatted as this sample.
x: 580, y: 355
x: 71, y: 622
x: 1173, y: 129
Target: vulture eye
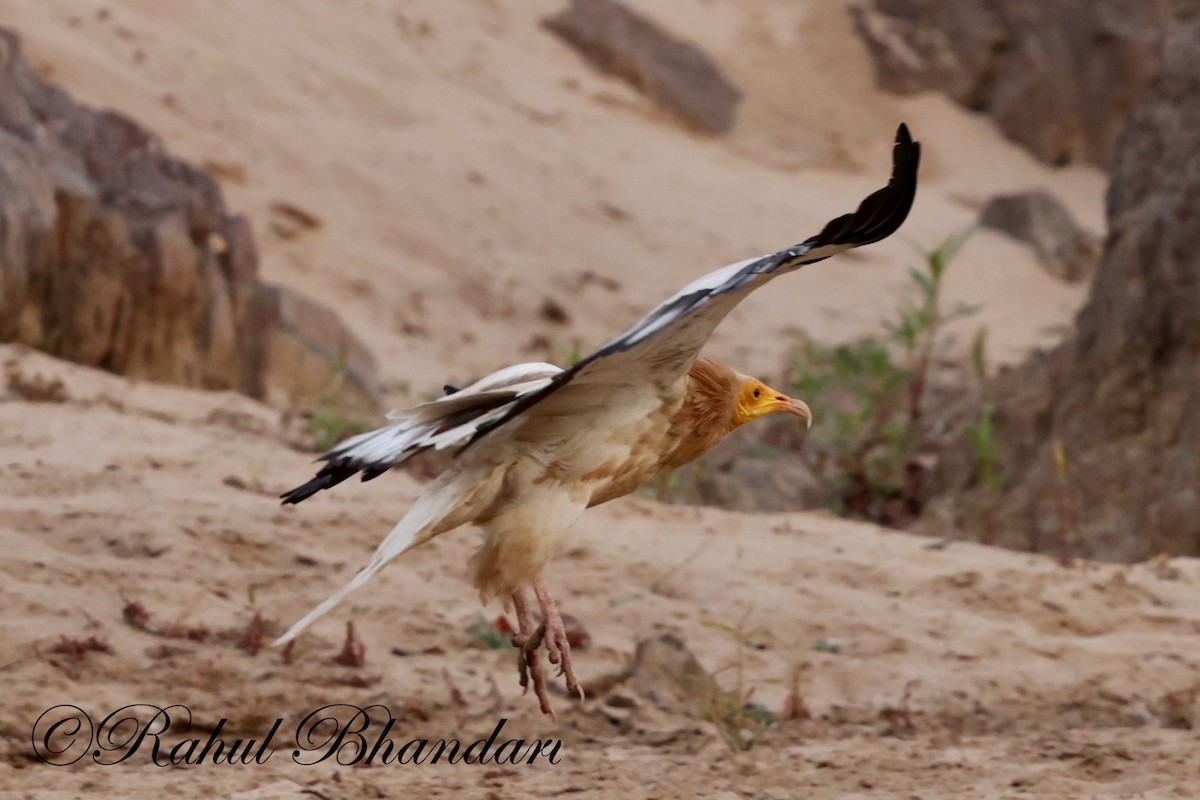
x: 757, y: 392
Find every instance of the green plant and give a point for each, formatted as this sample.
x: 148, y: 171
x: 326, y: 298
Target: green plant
x: 979, y: 364
x: 400, y: 386
x: 338, y: 412
x: 488, y: 634
x: 665, y: 486
x: 558, y: 349
x: 874, y: 391
x: 740, y: 722
x: 985, y: 449
x: 576, y: 353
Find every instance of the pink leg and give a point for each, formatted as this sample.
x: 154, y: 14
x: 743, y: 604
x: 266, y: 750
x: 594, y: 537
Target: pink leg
x: 528, y: 639
x: 555, y: 634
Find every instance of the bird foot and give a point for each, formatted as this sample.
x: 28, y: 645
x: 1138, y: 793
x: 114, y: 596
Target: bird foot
x: 529, y: 640
x: 529, y: 665
x: 558, y: 647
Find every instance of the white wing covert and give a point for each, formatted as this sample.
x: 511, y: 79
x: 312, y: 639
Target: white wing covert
x: 445, y: 422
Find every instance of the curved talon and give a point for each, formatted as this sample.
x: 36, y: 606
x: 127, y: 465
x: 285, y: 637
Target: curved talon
x: 524, y: 664
x: 530, y: 638
x: 529, y: 663
x: 558, y: 646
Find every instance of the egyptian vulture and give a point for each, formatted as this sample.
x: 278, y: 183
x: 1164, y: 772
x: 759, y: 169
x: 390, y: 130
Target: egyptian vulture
x: 538, y: 444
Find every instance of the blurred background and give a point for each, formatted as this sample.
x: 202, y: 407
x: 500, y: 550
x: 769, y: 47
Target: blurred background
x: 258, y: 226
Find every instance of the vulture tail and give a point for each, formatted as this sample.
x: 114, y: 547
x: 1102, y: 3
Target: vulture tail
x: 418, y: 525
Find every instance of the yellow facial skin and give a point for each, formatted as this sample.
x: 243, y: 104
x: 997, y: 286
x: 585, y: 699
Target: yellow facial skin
x: 755, y: 399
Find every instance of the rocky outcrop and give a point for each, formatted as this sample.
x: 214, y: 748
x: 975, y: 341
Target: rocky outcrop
x: 1118, y: 399
x: 1058, y: 77
x: 675, y: 74
x: 116, y: 255
x: 1063, y: 248
x: 311, y: 355
x: 758, y: 468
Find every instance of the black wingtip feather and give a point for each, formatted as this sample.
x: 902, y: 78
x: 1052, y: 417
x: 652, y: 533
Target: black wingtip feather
x: 341, y: 463
x: 373, y: 471
x: 329, y: 476
x: 883, y: 212
x: 302, y: 493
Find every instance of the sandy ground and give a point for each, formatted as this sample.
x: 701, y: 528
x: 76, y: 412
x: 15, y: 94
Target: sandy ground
x: 959, y: 671
x: 466, y: 167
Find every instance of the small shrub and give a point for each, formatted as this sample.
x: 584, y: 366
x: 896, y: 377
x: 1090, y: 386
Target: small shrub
x: 872, y: 394
x: 338, y: 412
x: 741, y: 722
x: 985, y: 449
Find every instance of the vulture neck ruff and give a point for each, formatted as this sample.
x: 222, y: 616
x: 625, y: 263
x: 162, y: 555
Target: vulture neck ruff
x: 706, y: 415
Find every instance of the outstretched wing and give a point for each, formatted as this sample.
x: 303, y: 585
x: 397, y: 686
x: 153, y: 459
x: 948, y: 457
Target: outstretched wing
x: 640, y: 364
x: 445, y: 422
x: 651, y: 356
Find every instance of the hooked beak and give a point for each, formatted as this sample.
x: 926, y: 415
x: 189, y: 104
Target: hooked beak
x: 789, y: 406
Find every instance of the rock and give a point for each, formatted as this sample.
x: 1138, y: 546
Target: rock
x: 1059, y: 78
x: 759, y: 468
x: 1118, y: 397
x: 309, y: 349
x: 1063, y: 248
x: 116, y: 255
x: 663, y: 673
x: 737, y: 477
x: 675, y: 74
